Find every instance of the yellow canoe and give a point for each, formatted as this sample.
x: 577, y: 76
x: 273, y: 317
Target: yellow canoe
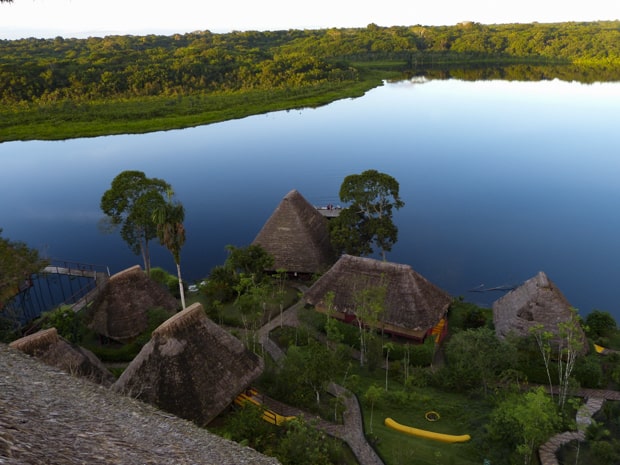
x: 448, y: 438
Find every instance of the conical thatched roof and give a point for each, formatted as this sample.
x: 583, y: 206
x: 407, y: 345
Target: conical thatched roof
x: 536, y: 301
x: 52, y: 349
x: 297, y: 236
x: 413, y: 305
x: 120, y: 310
x: 191, y: 367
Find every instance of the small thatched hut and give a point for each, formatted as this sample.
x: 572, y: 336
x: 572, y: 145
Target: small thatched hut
x: 536, y: 301
x: 413, y: 305
x: 191, y: 367
x: 49, y: 347
x: 120, y: 310
x: 297, y: 236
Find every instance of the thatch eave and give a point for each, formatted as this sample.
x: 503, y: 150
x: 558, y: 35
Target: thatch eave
x: 413, y: 304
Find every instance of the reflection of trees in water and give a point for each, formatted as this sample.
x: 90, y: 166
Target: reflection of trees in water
x: 515, y: 72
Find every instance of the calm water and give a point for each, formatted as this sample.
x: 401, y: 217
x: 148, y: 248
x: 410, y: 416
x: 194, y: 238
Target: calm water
x: 500, y: 179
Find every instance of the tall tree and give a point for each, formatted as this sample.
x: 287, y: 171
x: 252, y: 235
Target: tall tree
x: 171, y: 233
x: 251, y: 260
x: 372, y: 395
x: 372, y: 197
x: 570, y: 346
x: 130, y: 203
x: 369, y: 309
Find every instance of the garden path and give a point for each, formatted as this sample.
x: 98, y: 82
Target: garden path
x: 352, y: 431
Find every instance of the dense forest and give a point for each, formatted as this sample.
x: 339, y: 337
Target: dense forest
x: 42, y: 70
x: 68, y: 74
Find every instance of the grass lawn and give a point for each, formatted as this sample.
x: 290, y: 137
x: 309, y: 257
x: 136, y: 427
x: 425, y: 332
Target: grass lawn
x: 459, y: 414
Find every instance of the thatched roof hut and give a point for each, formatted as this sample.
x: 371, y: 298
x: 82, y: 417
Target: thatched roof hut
x: 413, y: 305
x: 297, y: 236
x: 537, y: 301
x: 120, y: 310
x: 48, y: 346
x: 191, y: 367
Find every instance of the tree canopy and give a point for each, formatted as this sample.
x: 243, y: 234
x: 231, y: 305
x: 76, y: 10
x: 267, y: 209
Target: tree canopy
x: 372, y: 196
x: 48, y: 70
x: 131, y: 203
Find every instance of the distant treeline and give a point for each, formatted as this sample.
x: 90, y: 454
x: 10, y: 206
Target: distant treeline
x: 40, y: 71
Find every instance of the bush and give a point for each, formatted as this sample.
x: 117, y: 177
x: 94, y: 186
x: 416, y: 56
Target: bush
x: 600, y: 324
x: 588, y: 372
x: 67, y: 322
x: 167, y: 280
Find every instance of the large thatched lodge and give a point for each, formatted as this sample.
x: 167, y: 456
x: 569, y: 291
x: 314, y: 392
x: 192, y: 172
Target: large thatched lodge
x: 414, y: 307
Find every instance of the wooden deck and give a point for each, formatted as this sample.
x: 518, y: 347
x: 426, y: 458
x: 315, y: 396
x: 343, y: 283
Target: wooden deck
x: 70, y: 271
x: 329, y: 212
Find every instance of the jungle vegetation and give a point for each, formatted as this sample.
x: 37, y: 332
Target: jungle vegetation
x: 66, y: 87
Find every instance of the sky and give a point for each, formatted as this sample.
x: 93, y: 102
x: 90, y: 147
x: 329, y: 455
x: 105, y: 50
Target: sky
x: 85, y: 18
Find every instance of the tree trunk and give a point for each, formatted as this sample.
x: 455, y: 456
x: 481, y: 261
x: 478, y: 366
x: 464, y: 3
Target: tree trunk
x: 181, y: 289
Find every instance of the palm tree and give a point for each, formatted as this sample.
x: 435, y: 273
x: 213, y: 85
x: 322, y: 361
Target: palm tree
x: 171, y: 232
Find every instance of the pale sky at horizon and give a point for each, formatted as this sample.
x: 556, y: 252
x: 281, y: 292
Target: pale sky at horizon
x: 84, y: 18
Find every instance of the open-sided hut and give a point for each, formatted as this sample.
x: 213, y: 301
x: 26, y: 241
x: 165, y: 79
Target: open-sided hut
x: 191, y: 367
x: 297, y: 236
x: 49, y: 347
x: 120, y: 311
x: 538, y: 301
x: 414, y: 307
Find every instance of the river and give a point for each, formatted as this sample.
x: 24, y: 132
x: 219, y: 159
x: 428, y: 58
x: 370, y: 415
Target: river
x: 501, y: 179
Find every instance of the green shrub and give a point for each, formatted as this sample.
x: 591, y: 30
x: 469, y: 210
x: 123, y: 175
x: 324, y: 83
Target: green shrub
x: 67, y: 322
x: 588, y: 372
x: 167, y: 280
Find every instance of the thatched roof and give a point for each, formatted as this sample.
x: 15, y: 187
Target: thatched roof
x: 297, y: 236
x: 48, y: 417
x: 191, y: 367
x: 54, y: 350
x: 413, y: 304
x: 536, y: 301
x: 120, y: 310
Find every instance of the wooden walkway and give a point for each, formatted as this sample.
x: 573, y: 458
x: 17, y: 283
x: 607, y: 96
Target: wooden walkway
x: 548, y: 451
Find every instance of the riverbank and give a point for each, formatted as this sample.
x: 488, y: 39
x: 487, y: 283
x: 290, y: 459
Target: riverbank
x: 70, y: 120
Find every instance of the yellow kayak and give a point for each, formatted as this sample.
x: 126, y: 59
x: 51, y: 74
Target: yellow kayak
x: 448, y: 438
